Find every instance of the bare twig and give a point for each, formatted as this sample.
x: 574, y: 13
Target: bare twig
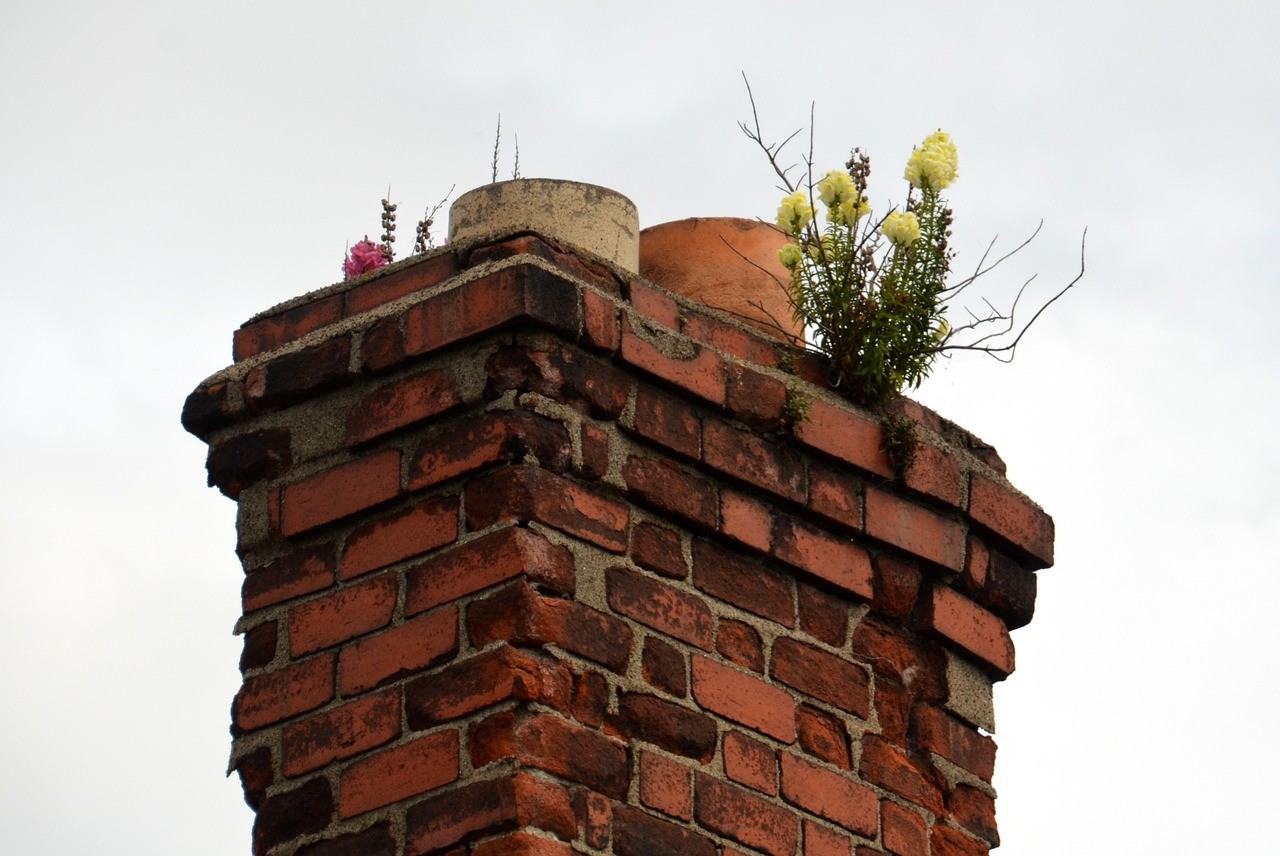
x: 497, y: 140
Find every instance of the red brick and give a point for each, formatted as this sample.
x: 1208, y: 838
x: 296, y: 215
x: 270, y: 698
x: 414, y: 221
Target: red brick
x: 958, y: 743
x: 654, y: 303
x: 549, y: 743
x: 595, y: 451
x: 260, y: 645
x: 1013, y: 517
x: 846, y: 435
x: 975, y: 811
x: 744, y: 817
x: 824, y: 676
x: 563, y: 257
x: 897, y: 585
x: 377, y: 840
x: 743, y: 583
x: 935, y: 473
x: 528, y: 493
x: 1008, y: 589
x: 521, y: 293
x: 340, y: 732
x: 487, y: 439
x: 519, y: 615
x: 755, y: 397
x: 677, y: 729
x: 426, y: 274
x: 668, y: 421
x: 521, y: 844
x: 301, y: 572
x: 666, y: 785
x: 750, y: 762
x: 638, y: 834
x: 286, y: 815
x: 394, y: 774
x: 700, y: 372
x: 400, y: 403
x: 590, y: 697
x: 905, y: 831
x: 659, y: 550
x: 660, y: 606
x: 208, y: 408
x: 830, y: 795
x: 893, y: 710
x: 418, y: 529
x: 899, y: 658
x: 746, y: 520
x: 740, y: 643
x: 667, y: 487
x: 823, y: 616
x: 407, y: 648
x: 267, y: 334
x: 744, y: 699
x: 977, y: 563
x: 246, y: 459
x: 340, y: 491
x: 600, y: 328
x: 835, y: 495
x: 664, y: 667
x: 295, y: 689
x: 595, y: 817
x: 345, y: 614
x: 823, y: 736
x: 961, y: 621
x: 917, y: 530
x: 382, y: 346
x: 888, y: 767
x: 747, y: 456
x: 485, y: 807
x: 741, y: 343
x: 560, y: 372
x: 299, y: 375
x: 487, y: 561
x: 483, y: 681
x: 820, y: 841
x: 826, y: 556
x: 945, y: 841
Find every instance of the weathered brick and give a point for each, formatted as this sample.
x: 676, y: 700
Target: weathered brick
x: 660, y: 606
x: 247, y: 459
x: 945, y: 841
x: 590, y: 697
x: 935, y: 473
x: 486, y: 439
x: 569, y: 376
x: 287, y: 815
x: 402, y: 650
x: 377, y: 840
x: 560, y: 255
x: 745, y: 455
x: 638, y: 834
x: 400, y: 403
x: 519, y: 615
x: 666, y: 785
x: 667, y: 487
x: 340, y: 491
x: 669, y: 726
x: 547, y: 742
x: 208, y: 408
x: 961, y: 621
x: 658, y: 549
x: 894, y: 655
x: 740, y: 643
x: 654, y: 303
x: 1006, y: 587
x: 486, y: 561
x: 1013, y: 517
x: 821, y: 841
x: 664, y: 667
x: 382, y: 346
x: 917, y: 530
x: 830, y: 795
x: 754, y: 397
x: 521, y: 844
x: 267, y: 334
x: 668, y: 421
x: 905, y: 831
x: 257, y: 773
x: 600, y: 322
x: 846, y: 435
x: 676, y: 360
x: 836, y: 560
x: 394, y: 774
x: 483, y: 681
x: 485, y: 807
x: 888, y: 767
x: 835, y: 495
x: 824, y: 676
x: 743, y: 583
x: 823, y: 736
x: 746, y: 520
x: 340, y: 732
x: 975, y: 811
x: 959, y: 743
x: 738, y: 341
x: 595, y: 452
x: 750, y: 762
x: 425, y: 274
x: 417, y: 529
x: 897, y: 586
x: 294, y: 689
x: 526, y: 493
x: 259, y: 646
x: 744, y: 698
x: 298, y: 573
x: 738, y: 814
x: 823, y: 616
x: 300, y: 375
x: 345, y: 614
x: 594, y: 813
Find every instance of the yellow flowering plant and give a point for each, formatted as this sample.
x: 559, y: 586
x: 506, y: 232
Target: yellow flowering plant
x: 872, y: 292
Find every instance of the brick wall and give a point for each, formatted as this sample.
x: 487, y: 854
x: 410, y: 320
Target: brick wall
x: 535, y: 565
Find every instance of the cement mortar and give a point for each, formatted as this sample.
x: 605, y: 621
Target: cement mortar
x: 969, y: 693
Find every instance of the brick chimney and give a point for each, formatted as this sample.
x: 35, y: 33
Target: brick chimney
x: 535, y: 564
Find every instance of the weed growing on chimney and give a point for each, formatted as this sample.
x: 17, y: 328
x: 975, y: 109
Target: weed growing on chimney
x: 388, y: 227
x: 497, y: 142
x: 366, y: 255
x: 424, y: 240
x: 873, y: 292
x: 899, y: 442
x: 796, y: 408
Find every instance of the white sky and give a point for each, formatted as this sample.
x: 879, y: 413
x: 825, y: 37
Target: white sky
x: 169, y: 169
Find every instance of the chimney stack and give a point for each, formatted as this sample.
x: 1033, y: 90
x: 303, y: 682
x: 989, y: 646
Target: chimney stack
x: 540, y: 560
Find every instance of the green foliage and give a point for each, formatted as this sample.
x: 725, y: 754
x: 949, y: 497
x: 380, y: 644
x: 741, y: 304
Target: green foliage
x: 899, y: 442
x: 796, y: 408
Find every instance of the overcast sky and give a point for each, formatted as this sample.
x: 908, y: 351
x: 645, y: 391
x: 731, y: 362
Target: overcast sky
x: 169, y: 169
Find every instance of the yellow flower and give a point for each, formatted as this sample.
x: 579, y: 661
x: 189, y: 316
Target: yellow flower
x: 934, y: 164
x: 834, y: 186
x: 944, y: 330
x: 902, y: 228
x: 850, y: 210
x: 827, y: 250
x: 790, y: 256
x: 794, y: 212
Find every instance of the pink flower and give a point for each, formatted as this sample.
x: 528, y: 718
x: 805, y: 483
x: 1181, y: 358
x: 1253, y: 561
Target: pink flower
x: 362, y: 258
